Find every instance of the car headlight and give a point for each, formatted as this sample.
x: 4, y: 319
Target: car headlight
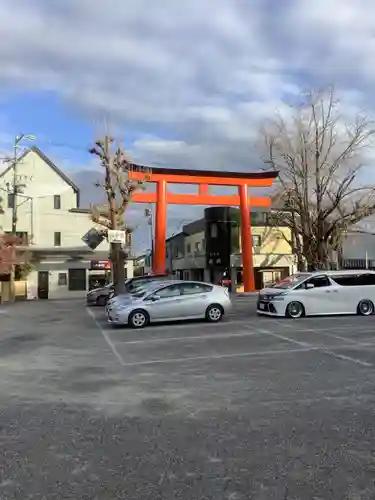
x: 123, y: 306
x: 279, y: 296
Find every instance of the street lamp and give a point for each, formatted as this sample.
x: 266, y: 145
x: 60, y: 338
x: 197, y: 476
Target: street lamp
x: 26, y: 137
x: 149, y: 217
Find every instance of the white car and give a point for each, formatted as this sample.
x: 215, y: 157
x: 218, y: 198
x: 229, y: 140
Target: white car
x: 178, y: 300
x: 319, y: 293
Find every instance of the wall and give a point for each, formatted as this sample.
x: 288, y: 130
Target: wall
x: 43, y: 225
x: 273, y: 244
x: 356, y: 245
x: 71, y: 225
x: 54, y: 267
x: 189, y: 262
x: 41, y: 184
x: 196, y: 244
x: 36, y: 214
x: 175, y: 248
x: 274, y: 250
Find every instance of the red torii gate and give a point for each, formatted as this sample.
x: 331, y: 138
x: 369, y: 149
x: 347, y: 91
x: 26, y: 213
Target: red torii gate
x: 243, y: 181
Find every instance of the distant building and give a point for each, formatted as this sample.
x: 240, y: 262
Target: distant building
x: 209, y: 249
x: 52, y: 224
x: 357, y: 249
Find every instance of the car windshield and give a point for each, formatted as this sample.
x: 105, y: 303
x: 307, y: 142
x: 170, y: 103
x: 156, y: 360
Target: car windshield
x: 291, y: 281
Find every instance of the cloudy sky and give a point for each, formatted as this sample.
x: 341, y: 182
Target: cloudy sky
x: 184, y: 83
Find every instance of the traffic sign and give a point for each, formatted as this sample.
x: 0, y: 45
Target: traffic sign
x: 117, y: 236
x: 93, y: 238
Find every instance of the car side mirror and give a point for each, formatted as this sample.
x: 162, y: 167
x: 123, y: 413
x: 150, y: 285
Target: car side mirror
x: 309, y: 286
x: 155, y: 298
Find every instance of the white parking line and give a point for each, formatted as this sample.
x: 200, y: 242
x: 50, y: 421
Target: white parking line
x: 155, y: 327
x: 106, y: 337
x: 320, y: 349
x: 331, y: 335
x: 303, y: 347
x: 187, y: 338
x: 218, y: 356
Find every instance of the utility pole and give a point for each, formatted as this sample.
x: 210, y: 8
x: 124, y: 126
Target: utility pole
x: 14, y: 191
x: 15, y: 185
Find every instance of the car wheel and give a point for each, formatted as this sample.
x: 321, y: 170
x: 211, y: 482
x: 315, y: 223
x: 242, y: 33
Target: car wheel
x: 138, y: 319
x: 101, y: 300
x: 365, y: 308
x: 214, y: 313
x: 294, y: 310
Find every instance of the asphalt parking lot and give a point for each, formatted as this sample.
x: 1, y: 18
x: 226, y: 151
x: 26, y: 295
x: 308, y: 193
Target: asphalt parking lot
x: 252, y: 407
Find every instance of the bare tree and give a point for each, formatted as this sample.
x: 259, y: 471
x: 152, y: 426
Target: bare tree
x: 321, y: 187
x: 119, y: 190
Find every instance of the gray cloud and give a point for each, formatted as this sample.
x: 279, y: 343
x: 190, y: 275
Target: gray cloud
x: 193, y: 79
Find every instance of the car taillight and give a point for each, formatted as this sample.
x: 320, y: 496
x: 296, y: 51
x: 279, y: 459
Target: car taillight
x: 226, y: 291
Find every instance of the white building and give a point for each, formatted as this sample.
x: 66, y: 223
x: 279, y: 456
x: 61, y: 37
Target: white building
x: 50, y: 219
x: 358, y: 249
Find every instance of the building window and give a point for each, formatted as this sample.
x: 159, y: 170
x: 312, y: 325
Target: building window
x: 256, y: 241
x: 57, y: 241
x: 57, y: 202
x: 188, y: 248
x: 213, y: 230
x: 77, y: 279
x: 62, y: 279
x: 10, y: 200
x: 197, y: 247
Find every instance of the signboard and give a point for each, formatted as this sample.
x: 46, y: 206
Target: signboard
x: 100, y: 265
x: 93, y: 238
x: 117, y: 237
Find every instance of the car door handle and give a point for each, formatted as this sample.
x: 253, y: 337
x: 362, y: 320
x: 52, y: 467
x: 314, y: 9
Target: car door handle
x: 328, y: 291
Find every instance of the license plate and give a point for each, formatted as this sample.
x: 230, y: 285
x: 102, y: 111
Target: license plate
x: 261, y: 306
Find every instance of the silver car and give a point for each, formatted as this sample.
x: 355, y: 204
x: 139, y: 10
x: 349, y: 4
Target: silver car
x: 180, y: 300
x: 99, y: 296
x: 114, y: 300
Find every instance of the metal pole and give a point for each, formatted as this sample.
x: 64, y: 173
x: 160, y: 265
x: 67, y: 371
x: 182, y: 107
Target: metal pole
x: 151, y: 224
x: 31, y: 219
x: 14, y: 188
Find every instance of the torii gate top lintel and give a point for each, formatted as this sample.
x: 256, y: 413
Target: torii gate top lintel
x: 211, y: 177
x: 204, y: 179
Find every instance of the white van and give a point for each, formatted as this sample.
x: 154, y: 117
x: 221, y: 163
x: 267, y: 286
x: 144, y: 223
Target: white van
x: 319, y: 293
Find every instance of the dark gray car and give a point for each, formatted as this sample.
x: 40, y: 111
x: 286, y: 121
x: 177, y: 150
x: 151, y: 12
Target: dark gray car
x: 99, y: 296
